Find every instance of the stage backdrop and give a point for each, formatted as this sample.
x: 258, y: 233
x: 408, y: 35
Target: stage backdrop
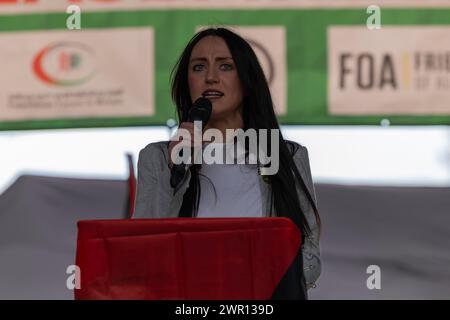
x: 323, y: 64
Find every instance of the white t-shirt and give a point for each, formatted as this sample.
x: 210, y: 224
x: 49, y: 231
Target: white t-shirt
x: 237, y: 191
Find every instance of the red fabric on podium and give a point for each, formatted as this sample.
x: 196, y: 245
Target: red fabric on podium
x: 184, y: 258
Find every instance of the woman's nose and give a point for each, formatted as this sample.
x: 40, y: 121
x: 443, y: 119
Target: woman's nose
x: 211, y: 76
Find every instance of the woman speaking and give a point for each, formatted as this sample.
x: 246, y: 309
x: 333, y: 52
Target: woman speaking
x: 219, y: 65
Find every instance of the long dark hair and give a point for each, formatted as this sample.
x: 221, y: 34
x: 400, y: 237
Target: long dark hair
x: 258, y: 113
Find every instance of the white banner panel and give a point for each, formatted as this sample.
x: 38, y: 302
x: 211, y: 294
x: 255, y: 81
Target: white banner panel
x: 76, y: 74
x: 272, y: 57
x: 395, y: 70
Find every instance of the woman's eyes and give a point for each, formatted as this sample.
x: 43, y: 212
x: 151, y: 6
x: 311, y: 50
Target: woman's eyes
x: 226, y: 66
x: 223, y: 66
x: 197, y: 67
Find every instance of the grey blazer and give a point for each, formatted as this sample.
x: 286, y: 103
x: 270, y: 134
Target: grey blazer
x: 155, y: 197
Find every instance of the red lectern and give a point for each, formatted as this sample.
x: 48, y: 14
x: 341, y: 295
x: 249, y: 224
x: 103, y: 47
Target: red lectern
x: 184, y: 258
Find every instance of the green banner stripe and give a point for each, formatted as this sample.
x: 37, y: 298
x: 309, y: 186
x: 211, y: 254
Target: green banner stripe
x: 306, y: 60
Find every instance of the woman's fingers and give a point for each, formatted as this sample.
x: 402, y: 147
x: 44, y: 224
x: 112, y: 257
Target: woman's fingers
x: 184, y: 135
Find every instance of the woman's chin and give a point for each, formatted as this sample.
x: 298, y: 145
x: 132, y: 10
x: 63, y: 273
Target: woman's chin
x: 215, y: 101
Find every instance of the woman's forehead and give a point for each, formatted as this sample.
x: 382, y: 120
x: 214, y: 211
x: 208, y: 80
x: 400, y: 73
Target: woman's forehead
x: 210, y: 46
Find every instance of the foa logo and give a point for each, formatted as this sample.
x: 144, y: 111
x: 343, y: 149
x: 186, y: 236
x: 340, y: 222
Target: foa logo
x: 64, y: 64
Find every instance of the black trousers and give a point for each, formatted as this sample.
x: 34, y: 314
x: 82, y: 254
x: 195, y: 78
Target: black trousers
x: 293, y: 285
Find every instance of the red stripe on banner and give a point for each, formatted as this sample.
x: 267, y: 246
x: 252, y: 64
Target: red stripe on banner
x: 17, y: 1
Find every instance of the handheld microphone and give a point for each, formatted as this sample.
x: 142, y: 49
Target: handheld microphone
x: 200, y: 111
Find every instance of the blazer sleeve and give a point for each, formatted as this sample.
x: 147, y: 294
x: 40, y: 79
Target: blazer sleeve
x: 155, y: 197
x: 311, y: 247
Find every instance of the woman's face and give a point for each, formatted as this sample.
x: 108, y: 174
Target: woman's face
x: 212, y: 74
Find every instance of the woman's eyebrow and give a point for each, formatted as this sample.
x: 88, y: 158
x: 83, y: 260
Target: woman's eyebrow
x: 204, y: 59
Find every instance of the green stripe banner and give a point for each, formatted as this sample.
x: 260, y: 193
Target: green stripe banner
x: 324, y: 66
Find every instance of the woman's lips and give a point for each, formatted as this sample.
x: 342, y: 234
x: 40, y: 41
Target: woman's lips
x: 212, y: 94
x: 213, y: 97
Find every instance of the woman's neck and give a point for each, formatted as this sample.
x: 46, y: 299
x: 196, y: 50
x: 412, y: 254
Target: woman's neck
x: 223, y: 124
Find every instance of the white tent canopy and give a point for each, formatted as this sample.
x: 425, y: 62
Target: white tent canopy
x: 403, y: 230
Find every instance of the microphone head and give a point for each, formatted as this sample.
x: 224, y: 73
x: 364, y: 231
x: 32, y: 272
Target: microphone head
x: 201, y: 110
